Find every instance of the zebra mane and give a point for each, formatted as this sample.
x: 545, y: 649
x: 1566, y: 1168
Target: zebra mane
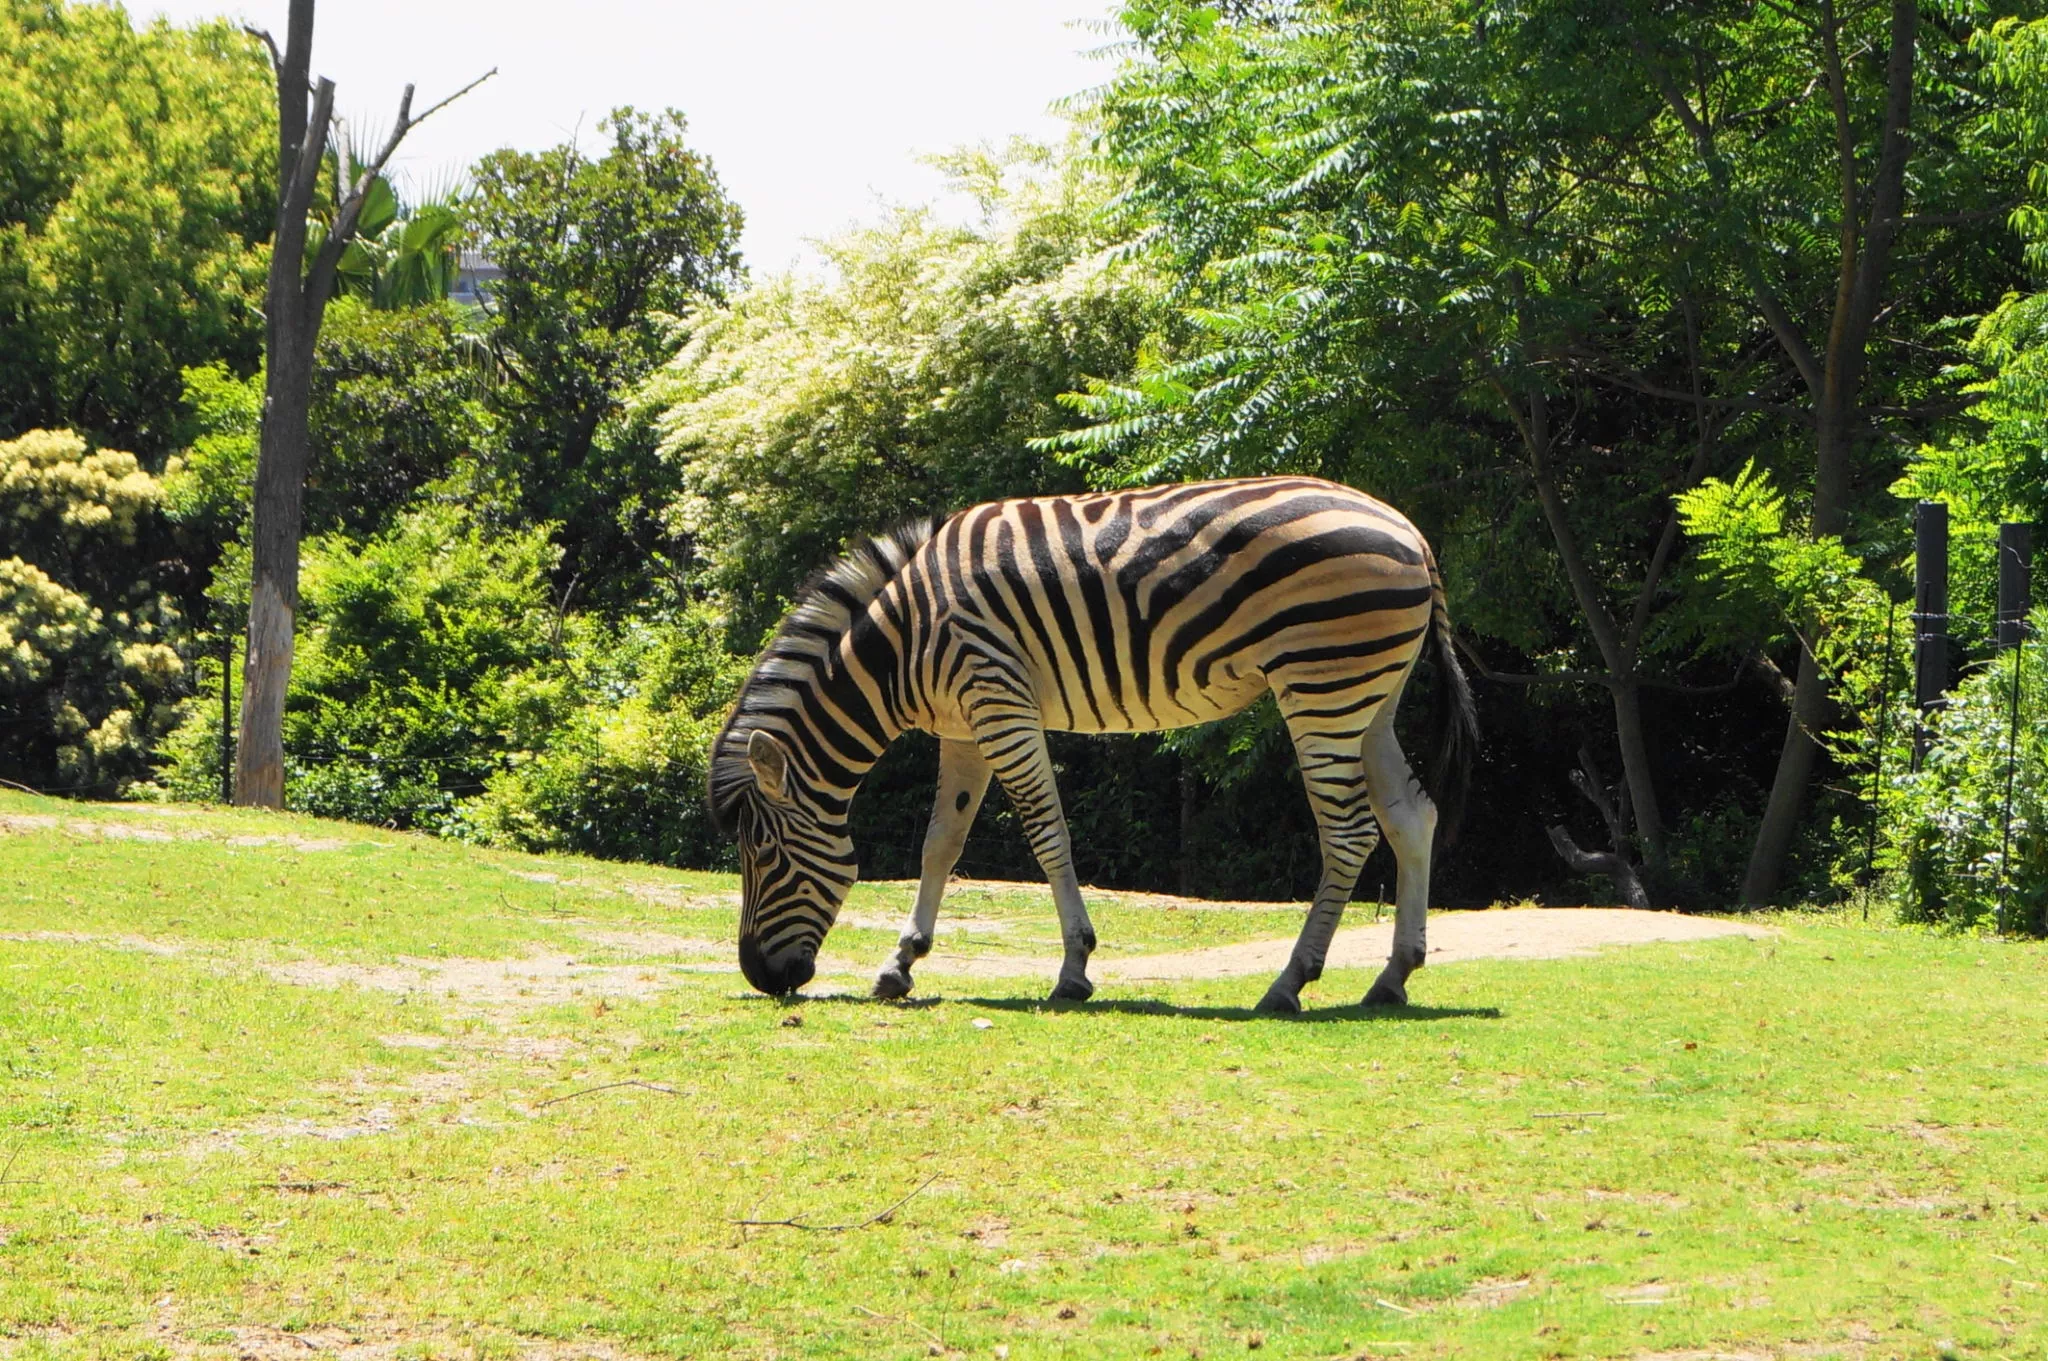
x: 826, y: 606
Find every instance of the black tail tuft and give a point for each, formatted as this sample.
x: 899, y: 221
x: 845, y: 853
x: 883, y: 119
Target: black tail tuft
x: 1457, y: 724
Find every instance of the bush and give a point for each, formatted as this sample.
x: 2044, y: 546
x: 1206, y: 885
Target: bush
x: 425, y: 658
x: 89, y: 674
x: 622, y: 777
x: 1946, y: 818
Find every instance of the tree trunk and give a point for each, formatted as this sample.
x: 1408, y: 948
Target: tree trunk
x: 274, y: 570
x: 287, y: 399
x: 1796, y: 759
x: 1616, y: 652
x: 294, y: 303
x: 1635, y: 768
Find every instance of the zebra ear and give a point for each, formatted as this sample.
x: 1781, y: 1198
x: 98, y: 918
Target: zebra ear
x: 771, y: 765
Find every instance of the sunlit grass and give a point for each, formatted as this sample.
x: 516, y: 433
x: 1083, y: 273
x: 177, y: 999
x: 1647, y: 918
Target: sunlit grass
x: 1825, y: 1143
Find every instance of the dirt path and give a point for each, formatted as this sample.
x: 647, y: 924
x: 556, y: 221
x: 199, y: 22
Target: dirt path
x: 1511, y: 933
x: 1530, y: 933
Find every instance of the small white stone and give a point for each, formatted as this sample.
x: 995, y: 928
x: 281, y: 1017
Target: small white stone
x: 983, y: 1023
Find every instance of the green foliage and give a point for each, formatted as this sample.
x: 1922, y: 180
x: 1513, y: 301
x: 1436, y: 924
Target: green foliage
x: 1945, y: 821
x: 1995, y: 471
x: 437, y: 686
x: 209, y: 490
x: 1767, y: 567
x: 621, y: 775
x: 88, y: 676
x: 2017, y: 58
x: 398, y: 404
x: 400, y: 256
x: 599, y: 258
x: 425, y: 656
x: 909, y: 381
x: 136, y: 197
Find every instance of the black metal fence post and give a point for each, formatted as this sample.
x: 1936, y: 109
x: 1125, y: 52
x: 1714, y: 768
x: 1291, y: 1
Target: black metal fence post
x: 2015, y: 560
x: 1930, y: 616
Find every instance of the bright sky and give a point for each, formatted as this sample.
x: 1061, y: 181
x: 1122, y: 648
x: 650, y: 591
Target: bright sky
x: 814, y: 112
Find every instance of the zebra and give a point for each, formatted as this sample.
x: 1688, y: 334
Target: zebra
x: 1125, y: 611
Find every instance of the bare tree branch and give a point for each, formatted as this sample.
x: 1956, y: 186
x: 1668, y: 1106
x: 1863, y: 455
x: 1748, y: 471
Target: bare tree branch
x: 262, y: 35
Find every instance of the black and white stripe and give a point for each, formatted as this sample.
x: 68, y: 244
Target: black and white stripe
x: 1118, y: 612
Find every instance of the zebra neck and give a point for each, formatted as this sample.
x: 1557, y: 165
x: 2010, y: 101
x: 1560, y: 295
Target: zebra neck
x: 851, y: 718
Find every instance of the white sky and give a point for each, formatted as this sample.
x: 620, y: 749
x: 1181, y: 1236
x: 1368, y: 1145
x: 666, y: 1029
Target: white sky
x: 813, y: 112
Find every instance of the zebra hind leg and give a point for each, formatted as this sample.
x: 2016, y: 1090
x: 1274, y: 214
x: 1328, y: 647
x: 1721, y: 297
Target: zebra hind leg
x: 1327, y: 746
x: 963, y: 779
x: 1409, y: 817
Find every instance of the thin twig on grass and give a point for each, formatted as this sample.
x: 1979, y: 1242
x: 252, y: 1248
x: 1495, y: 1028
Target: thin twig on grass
x: 1389, y: 1304
x: 900, y: 1318
x: 879, y: 1217
x: 1565, y: 1115
x: 606, y: 1087
x: 15, y: 1152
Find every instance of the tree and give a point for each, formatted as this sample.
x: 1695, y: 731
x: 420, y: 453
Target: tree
x: 295, y: 300
x: 599, y: 256
x: 134, y: 210
x: 910, y: 381
x: 88, y: 674
x: 1873, y: 107
x: 1414, y: 233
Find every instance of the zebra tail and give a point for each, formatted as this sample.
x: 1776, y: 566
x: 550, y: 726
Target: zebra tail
x: 1457, y: 720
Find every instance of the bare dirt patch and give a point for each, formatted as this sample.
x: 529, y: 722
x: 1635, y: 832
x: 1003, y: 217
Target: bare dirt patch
x: 141, y: 943
x: 654, y: 944
x: 371, y: 1105
x: 963, y: 891
x: 537, y: 980
x: 1532, y: 933
x: 21, y: 824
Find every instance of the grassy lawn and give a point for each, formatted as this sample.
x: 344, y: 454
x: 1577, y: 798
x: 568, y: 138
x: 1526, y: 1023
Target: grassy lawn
x: 263, y: 1093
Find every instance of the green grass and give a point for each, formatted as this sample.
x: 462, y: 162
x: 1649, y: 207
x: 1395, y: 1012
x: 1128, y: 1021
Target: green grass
x: 1831, y: 1142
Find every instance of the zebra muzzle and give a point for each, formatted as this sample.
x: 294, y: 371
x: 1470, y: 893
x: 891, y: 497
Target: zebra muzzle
x: 776, y: 977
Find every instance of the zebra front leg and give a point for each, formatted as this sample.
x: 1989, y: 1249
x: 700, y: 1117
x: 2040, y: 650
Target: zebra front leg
x: 963, y: 779
x: 1015, y: 747
x: 1410, y: 821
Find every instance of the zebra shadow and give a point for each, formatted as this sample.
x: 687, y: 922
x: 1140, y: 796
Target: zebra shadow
x: 1351, y: 1013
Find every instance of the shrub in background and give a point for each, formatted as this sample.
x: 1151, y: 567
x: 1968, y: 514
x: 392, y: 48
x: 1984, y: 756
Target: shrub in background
x: 622, y: 776
x: 1946, y: 819
x: 426, y: 656
x: 89, y: 674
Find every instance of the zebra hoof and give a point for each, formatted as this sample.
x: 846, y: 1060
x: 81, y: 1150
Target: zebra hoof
x: 892, y: 983
x: 1280, y: 1002
x: 1384, y: 994
x: 1073, y: 990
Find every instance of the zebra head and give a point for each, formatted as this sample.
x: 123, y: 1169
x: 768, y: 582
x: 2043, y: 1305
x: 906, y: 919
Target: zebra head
x: 796, y: 864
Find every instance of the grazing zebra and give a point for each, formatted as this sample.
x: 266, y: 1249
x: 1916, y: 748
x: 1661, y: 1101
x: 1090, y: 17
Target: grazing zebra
x: 1121, y: 612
